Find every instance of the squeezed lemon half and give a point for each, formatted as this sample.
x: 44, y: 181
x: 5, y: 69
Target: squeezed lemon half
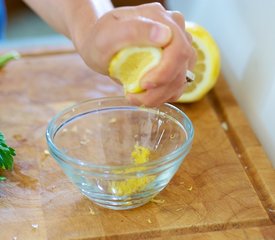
x: 130, y: 64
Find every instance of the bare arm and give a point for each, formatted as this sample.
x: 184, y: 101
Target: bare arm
x: 70, y: 17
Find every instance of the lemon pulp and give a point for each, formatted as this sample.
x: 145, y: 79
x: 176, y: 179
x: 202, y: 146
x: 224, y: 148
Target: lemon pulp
x: 130, y: 64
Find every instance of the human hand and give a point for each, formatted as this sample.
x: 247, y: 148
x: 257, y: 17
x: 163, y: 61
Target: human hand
x: 144, y: 25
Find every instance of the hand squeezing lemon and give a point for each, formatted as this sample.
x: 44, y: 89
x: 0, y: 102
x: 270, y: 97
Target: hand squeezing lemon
x: 131, y: 63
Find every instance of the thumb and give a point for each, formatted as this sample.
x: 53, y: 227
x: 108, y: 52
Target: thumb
x: 141, y: 31
x: 159, y: 34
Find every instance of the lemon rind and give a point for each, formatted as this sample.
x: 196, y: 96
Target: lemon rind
x: 212, y: 55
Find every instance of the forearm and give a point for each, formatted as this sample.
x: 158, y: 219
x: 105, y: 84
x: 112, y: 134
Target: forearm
x: 70, y: 17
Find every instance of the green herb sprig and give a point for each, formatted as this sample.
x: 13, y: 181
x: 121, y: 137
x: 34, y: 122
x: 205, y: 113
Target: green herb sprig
x: 5, y: 58
x: 6, y: 155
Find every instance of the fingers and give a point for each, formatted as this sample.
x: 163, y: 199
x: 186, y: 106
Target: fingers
x: 175, y: 55
x: 167, y: 81
x: 175, y: 60
x: 158, y: 96
x: 189, y: 37
x: 179, y: 91
x: 178, y: 18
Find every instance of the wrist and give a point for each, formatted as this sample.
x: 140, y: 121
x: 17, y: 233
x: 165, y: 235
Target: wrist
x: 83, y: 18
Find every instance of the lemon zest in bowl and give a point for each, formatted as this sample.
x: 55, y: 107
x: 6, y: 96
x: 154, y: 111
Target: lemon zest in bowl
x: 140, y: 154
x: 130, y: 186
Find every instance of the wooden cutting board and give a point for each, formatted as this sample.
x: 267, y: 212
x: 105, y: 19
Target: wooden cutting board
x: 223, y: 190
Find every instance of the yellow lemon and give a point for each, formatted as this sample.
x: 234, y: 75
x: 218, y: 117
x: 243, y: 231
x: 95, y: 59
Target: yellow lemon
x: 207, y: 67
x: 130, y: 64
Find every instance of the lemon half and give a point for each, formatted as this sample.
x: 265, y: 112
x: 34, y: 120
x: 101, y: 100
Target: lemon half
x: 130, y: 64
x: 207, y: 67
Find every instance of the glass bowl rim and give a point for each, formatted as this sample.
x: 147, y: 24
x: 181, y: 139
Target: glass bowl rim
x: 166, y: 158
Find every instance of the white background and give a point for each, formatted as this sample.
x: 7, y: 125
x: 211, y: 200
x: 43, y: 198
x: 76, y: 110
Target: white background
x: 245, y: 33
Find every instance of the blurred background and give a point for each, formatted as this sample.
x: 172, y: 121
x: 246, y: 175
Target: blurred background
x: 244, y: 31
x: 21, y: 27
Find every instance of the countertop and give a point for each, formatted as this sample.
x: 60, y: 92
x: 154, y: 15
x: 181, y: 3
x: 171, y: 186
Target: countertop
x: 223, y: 190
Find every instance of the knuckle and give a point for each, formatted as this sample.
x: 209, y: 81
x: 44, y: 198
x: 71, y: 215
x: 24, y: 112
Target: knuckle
x: 161, y: 77
x: 180, y: 85
x: 185, y: 53
x: 148, y: 101
x: 157, y: 6
x: 174, y: 98
x: 132, y: 31
x: 137, y: 28
x: 163, y: 80
x: 189, y: 37
x: 178, y: 14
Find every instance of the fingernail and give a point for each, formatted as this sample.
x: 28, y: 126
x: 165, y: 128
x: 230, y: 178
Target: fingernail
x: 160, y: 34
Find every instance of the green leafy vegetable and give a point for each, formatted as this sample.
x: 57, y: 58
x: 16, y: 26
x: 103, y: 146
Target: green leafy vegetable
x: 2, y: 178
x: 5, y: 58
x: 6, y: 155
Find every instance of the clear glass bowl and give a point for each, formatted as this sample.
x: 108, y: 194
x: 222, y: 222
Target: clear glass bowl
x: 119, y: 155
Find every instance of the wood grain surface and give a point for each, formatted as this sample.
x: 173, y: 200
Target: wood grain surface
x: 247, y: 147
x: 223, y: 190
